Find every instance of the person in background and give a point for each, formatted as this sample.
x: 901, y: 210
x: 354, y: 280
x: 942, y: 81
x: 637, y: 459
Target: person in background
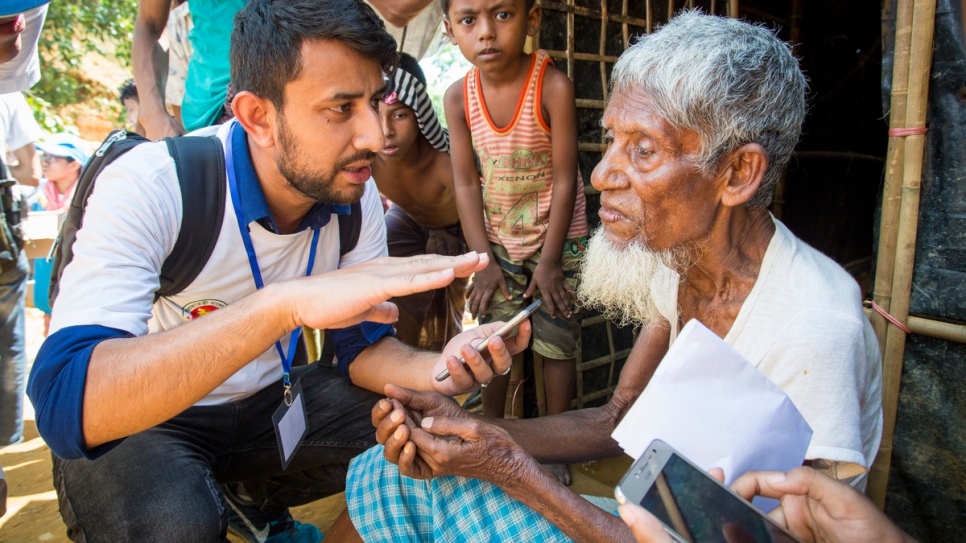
x: 179, y: 54
x: 814, y: 508
x: 415, y: 173
x: 207, y: 79
x: 20, y: 25
x: 18, y: 132
x: 64, y: 157
x: 21, y: 131
x: 515, y: 115
x: 129, y: 99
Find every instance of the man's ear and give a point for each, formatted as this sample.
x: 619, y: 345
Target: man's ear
x: 257, y: 116
x: 533, y: 20
x: 448, y: 31
x: 741, y: 172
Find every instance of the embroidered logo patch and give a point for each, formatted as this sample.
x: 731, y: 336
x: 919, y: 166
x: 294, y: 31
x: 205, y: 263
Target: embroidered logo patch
x: 200, y: 308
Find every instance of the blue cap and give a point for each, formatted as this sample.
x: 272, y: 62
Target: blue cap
x: 12, y: 7
x: 67, y: 146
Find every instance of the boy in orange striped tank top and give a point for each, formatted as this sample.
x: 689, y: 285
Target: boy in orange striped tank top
x: 513, y: 128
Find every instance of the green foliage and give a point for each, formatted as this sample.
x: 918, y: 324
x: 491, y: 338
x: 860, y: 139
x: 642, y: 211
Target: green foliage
x: 47, y: 117
x: 74, y: 29
x: 443, y: 68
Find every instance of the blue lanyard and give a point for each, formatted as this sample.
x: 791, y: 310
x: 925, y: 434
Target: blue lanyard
x: 253, y: 262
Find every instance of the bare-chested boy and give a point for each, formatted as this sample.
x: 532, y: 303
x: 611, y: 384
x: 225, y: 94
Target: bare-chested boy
x: 415, y: 173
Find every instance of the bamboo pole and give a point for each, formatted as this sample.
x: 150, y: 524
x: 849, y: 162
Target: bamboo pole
x: 570, y: 40
x: 603, y: 46
x: 624, y: 31
x: 920, y: 63
x: 892, y: 186
x: 593, y: 57
x: 923, y: 326
x: 733, y: 8
x: 647, y: 4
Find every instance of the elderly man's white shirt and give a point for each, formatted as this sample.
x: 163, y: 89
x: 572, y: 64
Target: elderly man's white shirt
x: 803, y: 326
x: 130, y: 227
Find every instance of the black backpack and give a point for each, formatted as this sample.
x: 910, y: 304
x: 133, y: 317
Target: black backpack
x: 200, y: 162
x: 11, y: 220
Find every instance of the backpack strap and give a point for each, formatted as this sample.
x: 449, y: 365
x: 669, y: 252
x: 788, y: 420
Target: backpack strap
x: 350, y: 226
x: 200, y: 162
x: 116, y: 144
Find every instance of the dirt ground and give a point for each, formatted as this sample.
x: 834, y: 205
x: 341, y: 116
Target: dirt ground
x: 32, y: 513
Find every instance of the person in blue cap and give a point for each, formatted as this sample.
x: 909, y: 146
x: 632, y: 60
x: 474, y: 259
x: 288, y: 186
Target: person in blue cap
x: 64, y: 157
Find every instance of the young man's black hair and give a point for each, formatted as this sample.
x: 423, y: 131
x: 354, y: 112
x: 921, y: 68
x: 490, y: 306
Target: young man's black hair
x: 266, y: 44
x: 128, y: 90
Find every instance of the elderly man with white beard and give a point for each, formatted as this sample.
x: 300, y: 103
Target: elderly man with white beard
x: 702, y: 119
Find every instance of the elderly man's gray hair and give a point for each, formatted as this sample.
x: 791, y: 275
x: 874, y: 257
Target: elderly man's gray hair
x: 731, y: 82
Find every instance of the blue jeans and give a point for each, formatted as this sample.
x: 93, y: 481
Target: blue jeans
x: 163, y: 484
x: 13, y: 360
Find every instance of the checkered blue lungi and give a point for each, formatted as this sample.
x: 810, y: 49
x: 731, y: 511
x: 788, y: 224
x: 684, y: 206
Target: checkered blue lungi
x: 387, y: 506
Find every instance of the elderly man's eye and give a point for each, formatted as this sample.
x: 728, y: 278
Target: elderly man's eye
x: 608, y: 139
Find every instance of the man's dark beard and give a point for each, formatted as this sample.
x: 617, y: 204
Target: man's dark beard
x: 317, y: 184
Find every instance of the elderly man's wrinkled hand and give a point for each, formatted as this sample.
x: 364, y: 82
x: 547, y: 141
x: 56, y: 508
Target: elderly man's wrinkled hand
x: 396, y: 416
x: 468, y: 447
x: 481, y: 370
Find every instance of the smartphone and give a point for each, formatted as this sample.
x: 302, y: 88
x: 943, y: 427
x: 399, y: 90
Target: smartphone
x: 504, y: 332
x: 693, y: 506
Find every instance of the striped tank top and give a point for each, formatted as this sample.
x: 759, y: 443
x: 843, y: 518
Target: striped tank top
x: 517, y: 167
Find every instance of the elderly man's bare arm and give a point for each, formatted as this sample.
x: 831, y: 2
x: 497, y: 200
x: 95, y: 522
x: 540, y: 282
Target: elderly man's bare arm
x: 588, y: 430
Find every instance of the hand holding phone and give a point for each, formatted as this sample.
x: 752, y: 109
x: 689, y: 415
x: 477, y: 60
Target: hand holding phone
x: 692, y: 505
x: 504, y: 332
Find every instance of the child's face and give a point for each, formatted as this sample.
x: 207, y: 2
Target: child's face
x: 491, y: 33
x: 399, y: 128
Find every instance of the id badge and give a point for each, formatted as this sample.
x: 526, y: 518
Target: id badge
x: 291, y: 425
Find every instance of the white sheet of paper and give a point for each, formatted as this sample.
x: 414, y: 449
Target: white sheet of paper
x: 717, y: 409
x: 292, y: 427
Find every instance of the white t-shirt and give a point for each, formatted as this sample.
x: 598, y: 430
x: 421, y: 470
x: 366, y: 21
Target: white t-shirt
x: 130, y: 227
x: 17, y: 124
x: 23, y: 71
x: 803, y: 326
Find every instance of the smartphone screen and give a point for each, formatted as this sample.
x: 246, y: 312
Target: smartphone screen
x: 700, y: 510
